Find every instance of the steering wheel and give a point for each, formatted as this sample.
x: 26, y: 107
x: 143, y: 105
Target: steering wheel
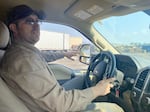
x: 102, y: 66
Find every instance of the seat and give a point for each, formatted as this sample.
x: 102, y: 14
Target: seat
x: 8, y: 101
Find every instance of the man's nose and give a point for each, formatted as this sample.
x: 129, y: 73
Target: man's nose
x: 36, y: 26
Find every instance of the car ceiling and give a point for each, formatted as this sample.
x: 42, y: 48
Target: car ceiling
x: 79, y: 14
x: 65, y: 11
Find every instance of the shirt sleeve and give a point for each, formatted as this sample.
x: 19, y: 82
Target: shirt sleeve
x: 52, y: 56
x: 34, y: 78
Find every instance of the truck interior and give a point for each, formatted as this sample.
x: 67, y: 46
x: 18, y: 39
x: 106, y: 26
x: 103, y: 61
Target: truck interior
x: 80, y: 15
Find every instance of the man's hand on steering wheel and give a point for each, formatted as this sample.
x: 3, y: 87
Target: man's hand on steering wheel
x: 103, y: 87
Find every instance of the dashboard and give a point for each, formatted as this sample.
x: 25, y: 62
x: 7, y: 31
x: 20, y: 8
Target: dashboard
x: 139, y: 81
x: 140, y: 94
x: 126, y: 65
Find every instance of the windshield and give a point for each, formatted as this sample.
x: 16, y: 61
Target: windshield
x: 129, y: 34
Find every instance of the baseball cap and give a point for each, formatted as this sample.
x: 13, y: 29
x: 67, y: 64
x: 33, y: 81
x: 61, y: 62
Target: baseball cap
x: 22, y: 11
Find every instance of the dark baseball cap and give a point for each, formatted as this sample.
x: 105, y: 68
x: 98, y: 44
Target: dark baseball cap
x: 22, y: 11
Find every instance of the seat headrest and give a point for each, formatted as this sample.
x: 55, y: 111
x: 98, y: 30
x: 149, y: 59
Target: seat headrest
x: 4, y: 35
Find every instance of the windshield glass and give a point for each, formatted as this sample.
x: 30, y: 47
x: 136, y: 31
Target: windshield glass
x: 129, y: 34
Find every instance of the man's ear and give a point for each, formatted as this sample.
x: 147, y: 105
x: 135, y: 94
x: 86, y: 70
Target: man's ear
x: 12, y: 27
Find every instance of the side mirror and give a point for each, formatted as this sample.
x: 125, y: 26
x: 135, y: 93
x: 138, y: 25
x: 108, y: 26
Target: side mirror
x: 84, y: 59
x: 86, y: 53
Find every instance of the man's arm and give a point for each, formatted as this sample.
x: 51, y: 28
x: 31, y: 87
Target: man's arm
x: 50, y: 56
x: 54, y: 55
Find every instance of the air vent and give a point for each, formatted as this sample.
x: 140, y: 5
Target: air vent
x: 140, y: 81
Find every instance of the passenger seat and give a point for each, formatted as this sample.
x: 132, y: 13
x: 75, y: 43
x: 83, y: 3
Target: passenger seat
x: 8, y: 101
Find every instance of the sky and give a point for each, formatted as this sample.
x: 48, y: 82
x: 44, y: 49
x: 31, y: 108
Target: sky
x: 126, y: 29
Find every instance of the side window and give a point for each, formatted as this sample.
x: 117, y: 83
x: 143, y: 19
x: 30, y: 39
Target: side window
x: 59, y: 39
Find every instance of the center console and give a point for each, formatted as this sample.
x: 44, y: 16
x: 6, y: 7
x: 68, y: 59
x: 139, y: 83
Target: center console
x: 140, y: 94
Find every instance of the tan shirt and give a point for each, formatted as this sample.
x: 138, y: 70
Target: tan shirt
x: 28, y: 76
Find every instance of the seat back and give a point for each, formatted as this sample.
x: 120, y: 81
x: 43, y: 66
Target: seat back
x: 8, y: 101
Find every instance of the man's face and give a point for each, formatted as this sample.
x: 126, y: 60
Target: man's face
x: 27, y: 29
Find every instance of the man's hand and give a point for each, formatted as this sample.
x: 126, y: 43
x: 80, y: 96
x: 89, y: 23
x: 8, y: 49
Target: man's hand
x: 70, y: 54
x: 103, y: 87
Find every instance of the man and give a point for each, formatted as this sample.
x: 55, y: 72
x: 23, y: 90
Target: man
x: 28, y: 76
